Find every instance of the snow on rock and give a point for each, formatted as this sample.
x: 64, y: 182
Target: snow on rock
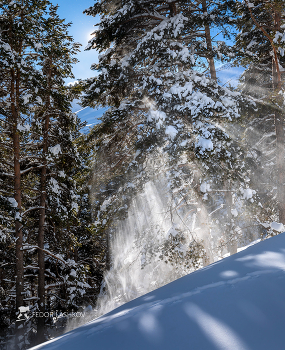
x: 234, y: 212
x: 234, y: 304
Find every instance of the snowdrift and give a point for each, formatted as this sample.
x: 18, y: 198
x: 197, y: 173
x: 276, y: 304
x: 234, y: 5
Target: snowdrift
x: 237, y: 303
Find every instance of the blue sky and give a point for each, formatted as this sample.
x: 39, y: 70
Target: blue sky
x: 83, y: 25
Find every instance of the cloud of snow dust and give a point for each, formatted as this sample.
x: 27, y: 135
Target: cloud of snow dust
x: 151, y: 247
x: 140, y: 251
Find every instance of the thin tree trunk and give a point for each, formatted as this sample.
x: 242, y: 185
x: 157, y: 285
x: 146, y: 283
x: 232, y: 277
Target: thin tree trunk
x: 41, y: 233
x: 279, y: 127
x: 41, y: 256
x: 208, y: 37
x: 17, y: 193
x: 232, y: 243
x: 108, y: 251
x: 14, y: 95
x: 203, y: 217
x: 280, y: 156
x: 278, y: 115
x: 204, y: 224
x: 173, y: 8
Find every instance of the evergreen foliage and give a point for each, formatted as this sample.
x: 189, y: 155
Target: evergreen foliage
x: 157, y: 75
x: 260, y: 48
x: 45, y: 222
x: 174, y: 162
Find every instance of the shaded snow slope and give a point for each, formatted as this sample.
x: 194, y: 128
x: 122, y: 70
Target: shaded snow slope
x: 87, y: 114
x: 237, y: 303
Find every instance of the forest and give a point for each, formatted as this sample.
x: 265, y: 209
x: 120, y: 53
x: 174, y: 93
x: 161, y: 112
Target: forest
x: 180, y: 171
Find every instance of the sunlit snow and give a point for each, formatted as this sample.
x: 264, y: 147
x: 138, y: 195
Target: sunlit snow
x: 235, y: 304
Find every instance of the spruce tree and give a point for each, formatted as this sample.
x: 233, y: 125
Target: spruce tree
x: 154, y: 75
x: 56, y: 60
x: 19, y: 34
x: 42, y: 225
x: 261, y: 49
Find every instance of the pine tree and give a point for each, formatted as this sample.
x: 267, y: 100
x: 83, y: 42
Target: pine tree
x: 19, y: 34
x: 151, y: 77
x: 51, y: 240
x: 261, y: 48
x: 55, y: 59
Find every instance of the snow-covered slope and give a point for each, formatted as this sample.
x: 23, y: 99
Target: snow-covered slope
x: 237, y: 303
x: 87, y: 114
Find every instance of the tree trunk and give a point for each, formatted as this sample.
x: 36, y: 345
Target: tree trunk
x: 108, y: 251
x: 210, y: 57
x: 14, y: 96
x: 204, y: 224
x: 232, y: 242
x: 279, y: 128
x: 41, y: 233
x: 280, y: 155
x: 41, y: 259
x: 17, y: 192
x: 203, y: 218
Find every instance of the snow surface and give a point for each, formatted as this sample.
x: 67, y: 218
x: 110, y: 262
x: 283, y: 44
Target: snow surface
x: 237, y: 304
x: 87, y: 114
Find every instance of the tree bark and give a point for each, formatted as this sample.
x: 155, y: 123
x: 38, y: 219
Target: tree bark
x: 208, y: 37
x: 278, y: 114
x: 232, y: 242
x: 14, y: 96
x: 203, y: 218
x: 280, y: 155
x: 203, y: 222
x: 41, y: 233
x: 17, y: 190
x: 279, y: 129
x: 41, y: 257
x: 108, y: 251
